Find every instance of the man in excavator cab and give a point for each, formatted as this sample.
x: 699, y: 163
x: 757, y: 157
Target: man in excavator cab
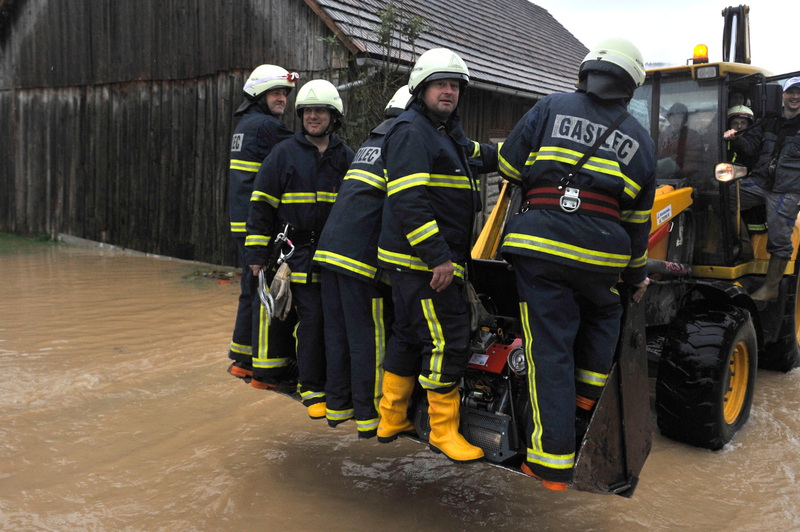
x: 774, y: 181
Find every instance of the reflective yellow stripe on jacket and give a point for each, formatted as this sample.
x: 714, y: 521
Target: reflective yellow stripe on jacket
x: 634, y: 217
x: 326, y: 197
x: 638, y: 262
x: 257, y: 240
x: 334, y: 259
x: 597, y: 164
x: 299, y: 197
x: 367, y: 177
x: 421, y: 233
x: 560, y: 249
x: 507, y: 170
x: 411, y: 262
x: 262, y: 196
x: 247, y: 166
x: 302, y: 278
x: 238, y: 227
x: 430, y: 180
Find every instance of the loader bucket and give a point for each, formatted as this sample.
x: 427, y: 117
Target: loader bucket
x: 619, y: 436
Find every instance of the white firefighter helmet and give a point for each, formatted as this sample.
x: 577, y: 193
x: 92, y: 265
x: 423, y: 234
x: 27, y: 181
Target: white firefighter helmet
x: 398, y: 103
x: 437, y: 63
x: 741, y: 111
x: 268, y: 77
x: 620, y: 53
x: 321, y: 93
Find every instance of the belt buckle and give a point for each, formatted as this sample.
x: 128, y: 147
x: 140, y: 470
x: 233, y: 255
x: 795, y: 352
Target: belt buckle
x: 570, y: 202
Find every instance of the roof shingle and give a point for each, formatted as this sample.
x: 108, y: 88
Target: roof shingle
x: 513, y: 44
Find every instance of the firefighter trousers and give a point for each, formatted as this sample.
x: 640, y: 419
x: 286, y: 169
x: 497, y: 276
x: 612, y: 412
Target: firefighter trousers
x: 437, y: 323
x: 241, y: 349
x: 358, y: 315
x: 570, y: 322
x: 307, y: 301
x: 274, y: 345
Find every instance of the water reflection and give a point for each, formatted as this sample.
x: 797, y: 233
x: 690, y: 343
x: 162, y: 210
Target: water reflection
x: 116, y: 414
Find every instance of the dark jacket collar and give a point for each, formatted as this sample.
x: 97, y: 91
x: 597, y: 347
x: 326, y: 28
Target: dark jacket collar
x: 451, y: 127
x: 332, y: 142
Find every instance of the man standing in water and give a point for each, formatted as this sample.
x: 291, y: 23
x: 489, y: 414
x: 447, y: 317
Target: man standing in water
x: 298, y: 184
x: 257, y: 132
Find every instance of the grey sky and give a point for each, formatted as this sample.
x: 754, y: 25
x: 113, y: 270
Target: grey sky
x: 667, y: 31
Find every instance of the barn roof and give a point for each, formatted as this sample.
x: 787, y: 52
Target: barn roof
x: 509, y: 44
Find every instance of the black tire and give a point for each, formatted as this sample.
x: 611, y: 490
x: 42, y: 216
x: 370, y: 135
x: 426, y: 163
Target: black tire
x: 706, y: 375
x: 784, y: 354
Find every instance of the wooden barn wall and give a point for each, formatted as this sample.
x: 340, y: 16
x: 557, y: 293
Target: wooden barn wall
x: 88, y: 42
x: 7, y: 188
x: 142, y: 165
x: 126, y: 140
x: 122, y: 113
x: 489, y: 116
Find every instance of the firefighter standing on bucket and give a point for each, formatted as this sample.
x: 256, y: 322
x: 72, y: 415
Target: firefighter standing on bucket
x: 576, y: 233
x: 424, y: 246
x: 356, y: 295
x: 257, y: 132
x: 297, y: 185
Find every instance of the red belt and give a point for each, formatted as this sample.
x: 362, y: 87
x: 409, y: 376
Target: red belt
x: 573, y: 200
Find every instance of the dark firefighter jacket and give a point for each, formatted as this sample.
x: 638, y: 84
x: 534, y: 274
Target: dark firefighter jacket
x: 431, y: 194
x: 349, y: 242
x: 760, y: 142
x: 296, y: 184
x: 256, y: 134
x: 544, y: 146
x: 740, y: 157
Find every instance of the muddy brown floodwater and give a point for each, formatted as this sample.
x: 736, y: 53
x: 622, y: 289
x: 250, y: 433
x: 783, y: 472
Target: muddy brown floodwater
x: 116, y: 413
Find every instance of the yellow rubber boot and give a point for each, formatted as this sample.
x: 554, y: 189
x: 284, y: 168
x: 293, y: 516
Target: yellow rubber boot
x: 393, y: 407
x: 317, y: 410
x: 443, y: 410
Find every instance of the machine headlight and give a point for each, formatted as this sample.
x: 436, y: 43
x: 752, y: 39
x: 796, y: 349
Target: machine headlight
x: 707, y: 72
x: 728, y: 172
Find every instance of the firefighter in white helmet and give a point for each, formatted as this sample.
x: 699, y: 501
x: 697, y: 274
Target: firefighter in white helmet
x: 739, y: 118
x: 356, y: 296
x: 577, y: 232
x: 297, y: 185
x: 424, y: 246
x: 258, y: 131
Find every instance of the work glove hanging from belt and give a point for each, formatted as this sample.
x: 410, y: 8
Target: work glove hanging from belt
x: 478, y: 315
x: 281, y: 291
